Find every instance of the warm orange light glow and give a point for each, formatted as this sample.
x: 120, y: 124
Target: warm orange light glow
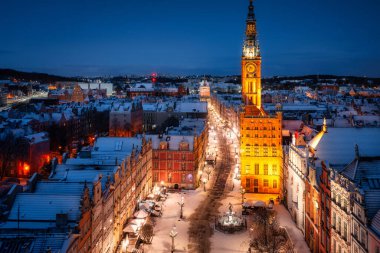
x: 26, y: 168
x: 47, y: 158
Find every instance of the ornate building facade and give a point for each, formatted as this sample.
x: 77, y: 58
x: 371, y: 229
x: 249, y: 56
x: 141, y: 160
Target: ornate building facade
x: 298, y: 170
x: 261, y: 150
x: 179, y: 155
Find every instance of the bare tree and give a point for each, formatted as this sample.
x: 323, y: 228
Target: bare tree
x: 147, y: 233
x: 267, y: 235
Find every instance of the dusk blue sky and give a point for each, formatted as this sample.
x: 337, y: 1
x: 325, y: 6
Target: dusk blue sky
x: 109, y: 37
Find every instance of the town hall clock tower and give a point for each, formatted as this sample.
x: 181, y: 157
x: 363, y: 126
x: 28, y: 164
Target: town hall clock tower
x: 251, y: 63
x: 260, y: 133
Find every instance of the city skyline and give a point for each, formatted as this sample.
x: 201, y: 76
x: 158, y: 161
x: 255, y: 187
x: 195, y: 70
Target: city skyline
x: 218, y: 164
x: 189, y: 37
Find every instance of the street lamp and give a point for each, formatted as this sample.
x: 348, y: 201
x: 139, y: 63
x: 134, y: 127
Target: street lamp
x: 208, y: 172
x: 204, y: 180
x: 162, y: 184
x: 181, y: 204
x: 173, y: 234
x: 242, y: 192
x: 124, y: 245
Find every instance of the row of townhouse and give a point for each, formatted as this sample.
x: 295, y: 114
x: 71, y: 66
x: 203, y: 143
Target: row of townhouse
x: 355, y: 206
x: 88, y: 199
x: 332, y: 191
x: 229, y: 107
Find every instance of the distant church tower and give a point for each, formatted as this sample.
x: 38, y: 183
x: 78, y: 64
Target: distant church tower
x: 261, y: 134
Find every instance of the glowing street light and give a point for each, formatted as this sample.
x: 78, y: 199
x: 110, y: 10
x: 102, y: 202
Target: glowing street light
x: 208, y: 172
x: 124, y: 245
x: 242, y: 192
x: 173, y: 234
x: 204, y: 180
x: 181, y: 204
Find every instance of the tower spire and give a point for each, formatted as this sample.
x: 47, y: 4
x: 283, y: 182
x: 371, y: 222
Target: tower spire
x: 251, y: 62
x: 251, y: 13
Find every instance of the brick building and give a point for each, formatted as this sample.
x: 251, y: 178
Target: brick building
x: 179, y: 154
x: 87, y: 201
x: 35, y: 151
x: 126, y: 119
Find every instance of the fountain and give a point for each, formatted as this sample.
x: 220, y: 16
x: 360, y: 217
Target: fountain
x: 230, y: 222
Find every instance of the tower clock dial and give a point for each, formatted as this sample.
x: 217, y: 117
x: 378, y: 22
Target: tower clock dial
x: 251, y: 68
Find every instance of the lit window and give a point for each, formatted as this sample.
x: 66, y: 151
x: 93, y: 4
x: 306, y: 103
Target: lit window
x: 256, y: 151
x: 247, y: 183
x: 257, y: 169
x: 274, y: 169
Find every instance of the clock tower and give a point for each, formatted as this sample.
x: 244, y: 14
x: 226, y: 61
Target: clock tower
x: 260, y: 133
x: 251, y: 63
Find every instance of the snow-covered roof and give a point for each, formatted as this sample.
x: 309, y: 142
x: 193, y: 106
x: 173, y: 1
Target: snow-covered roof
x: 338, y: 145
x: 124, y: 107
x: 88, y: 174
x: 189, y: 126
x: 111, y: 148
x: 38, y: 137
x: 296, y: 107
x: 292, y: 125
x: 191, y: 107
x: 149, y: 106
x: 173, y: 141
x: 375, y: 223
x: 62, y: 188
x: 33, y: 210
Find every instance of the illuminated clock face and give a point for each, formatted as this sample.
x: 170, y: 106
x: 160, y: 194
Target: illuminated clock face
x: 251, y: 68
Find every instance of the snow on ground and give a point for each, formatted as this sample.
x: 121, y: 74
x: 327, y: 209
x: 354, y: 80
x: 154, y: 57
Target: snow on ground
x: 220, y: 242
x: 171, y: 213
x: 239, y: 241
x: 294, y: 233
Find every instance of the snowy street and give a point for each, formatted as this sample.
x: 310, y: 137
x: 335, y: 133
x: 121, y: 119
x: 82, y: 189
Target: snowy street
x: 195, y: 232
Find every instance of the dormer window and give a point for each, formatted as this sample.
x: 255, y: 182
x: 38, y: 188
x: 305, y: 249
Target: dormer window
x: 163, y: 145
x: 184, y: 146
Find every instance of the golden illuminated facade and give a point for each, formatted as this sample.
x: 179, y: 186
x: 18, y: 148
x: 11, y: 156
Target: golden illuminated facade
x: 261, y: 134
